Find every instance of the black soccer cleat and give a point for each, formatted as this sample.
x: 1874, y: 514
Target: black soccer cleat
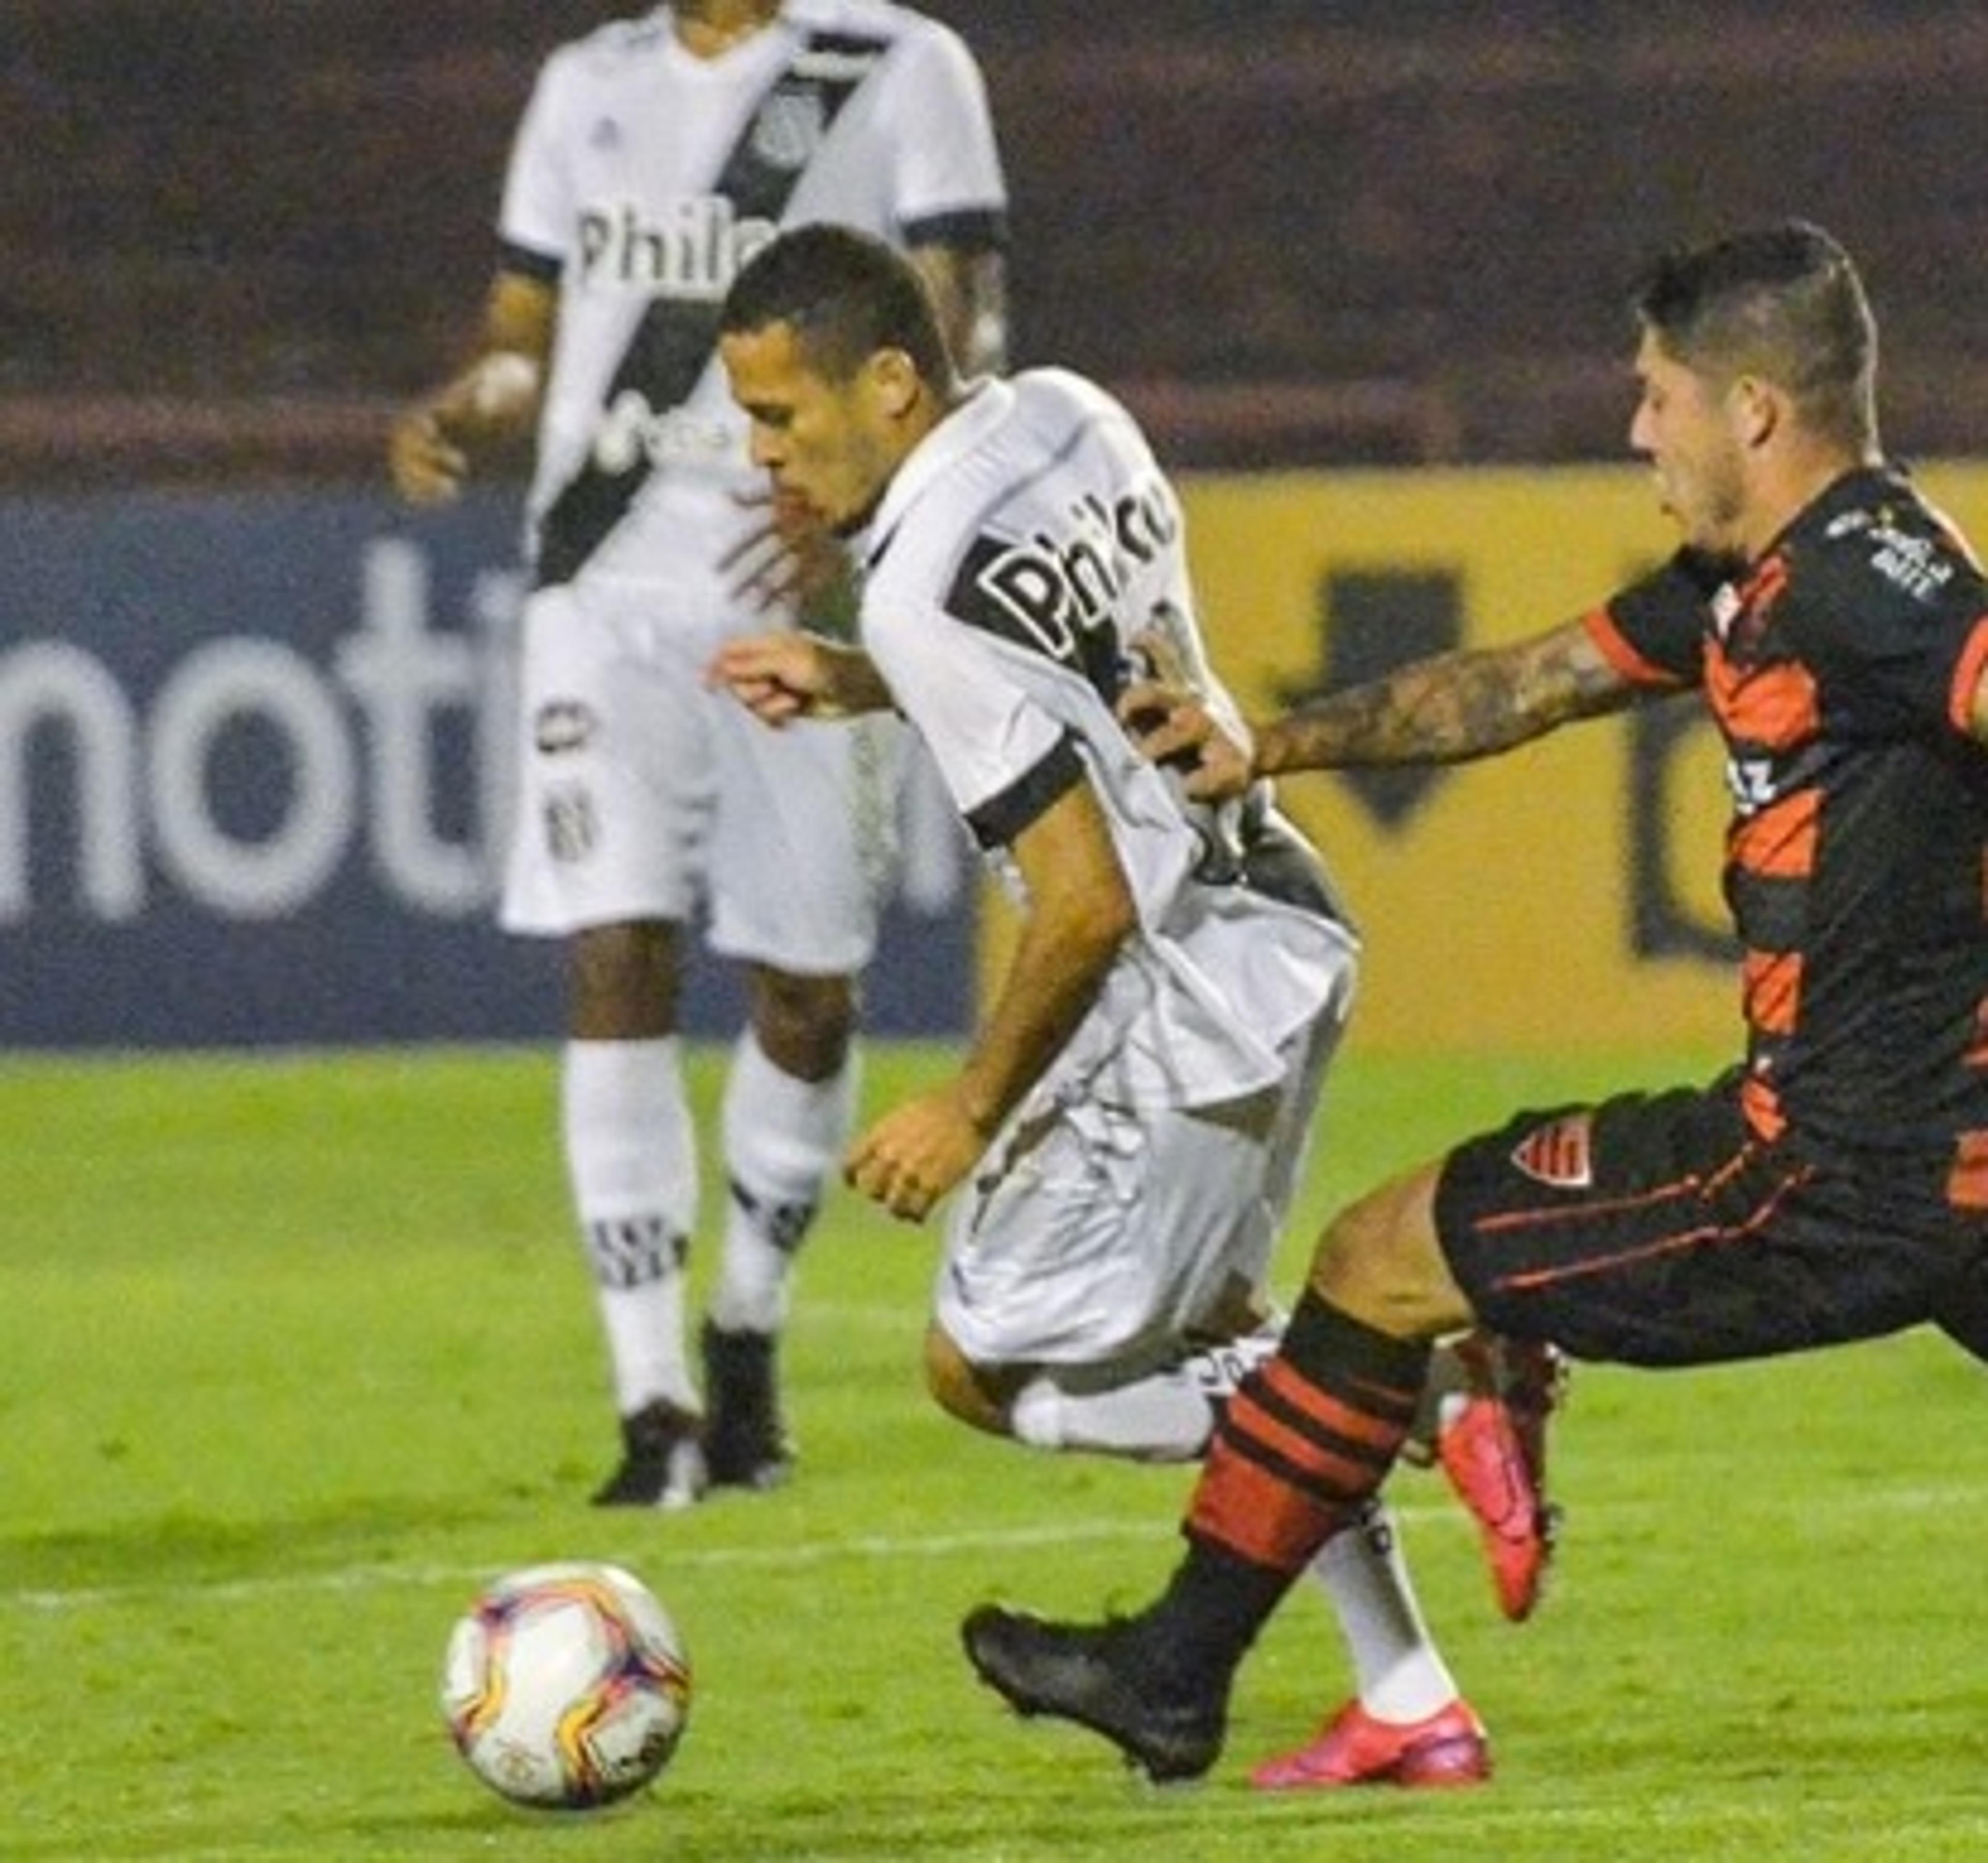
x: 662, y: 1461
x: 746, y: 1443
x: 1082, y: 1672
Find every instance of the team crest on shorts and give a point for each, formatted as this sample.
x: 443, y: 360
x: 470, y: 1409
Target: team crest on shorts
x: 1557, y: 1153
x: 563, y: 724
x: 571, y: 832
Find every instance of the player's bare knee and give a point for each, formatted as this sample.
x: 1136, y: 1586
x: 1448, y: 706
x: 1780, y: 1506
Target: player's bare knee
x: 804, y: 1024
x: 1380, y: 1261
x: 623, y: 981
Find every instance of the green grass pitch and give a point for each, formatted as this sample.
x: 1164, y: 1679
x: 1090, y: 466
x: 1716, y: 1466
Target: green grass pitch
x: 294, y: 1352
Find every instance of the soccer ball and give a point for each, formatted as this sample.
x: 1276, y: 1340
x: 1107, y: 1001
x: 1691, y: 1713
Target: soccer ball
x: 566, y: 1686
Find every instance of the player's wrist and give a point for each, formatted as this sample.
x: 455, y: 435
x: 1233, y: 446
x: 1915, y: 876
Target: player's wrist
x: 978, y: 1106
x: 1266, y: 751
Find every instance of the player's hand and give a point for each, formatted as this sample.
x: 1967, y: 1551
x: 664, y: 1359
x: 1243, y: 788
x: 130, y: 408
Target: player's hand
x: 428, y: 467
x: 777, y: 677
x: 916, y: 1153
x: 1173, y: 728
x: 788, y: 559
x: 496, y: 397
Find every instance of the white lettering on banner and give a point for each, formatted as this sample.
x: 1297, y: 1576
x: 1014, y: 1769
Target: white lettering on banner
x: 402, y: 675
x: 48, y: 684
x: 354, y: 759
x: 140, y: 778
x: 211, y: 690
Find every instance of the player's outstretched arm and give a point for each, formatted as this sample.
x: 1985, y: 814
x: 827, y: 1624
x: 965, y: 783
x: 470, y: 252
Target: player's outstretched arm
x: 1473, y: 703
x: 496, y: 397
x: 782, y: 676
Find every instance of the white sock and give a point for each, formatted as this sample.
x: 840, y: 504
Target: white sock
x: 1401, y: 1674
x: 1163, y: 1416
x: 631, y: 1157
x: 782, y: 1138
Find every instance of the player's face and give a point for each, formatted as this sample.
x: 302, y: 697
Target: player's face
x: 1687, y: 428
x: 831, y: 447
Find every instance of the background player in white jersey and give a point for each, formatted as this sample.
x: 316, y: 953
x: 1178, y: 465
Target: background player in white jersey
x: 1123, y: 1132
x: 654, y: 157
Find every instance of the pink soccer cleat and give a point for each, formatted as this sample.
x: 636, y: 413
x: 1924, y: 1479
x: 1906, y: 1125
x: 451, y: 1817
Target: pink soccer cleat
x: 1492, y: 1442
x: 1446, y: 1748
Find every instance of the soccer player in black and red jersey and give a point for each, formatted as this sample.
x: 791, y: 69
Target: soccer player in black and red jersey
x: 1833, y: 1186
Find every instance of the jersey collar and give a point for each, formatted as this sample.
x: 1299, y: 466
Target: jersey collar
x: 987, y: 406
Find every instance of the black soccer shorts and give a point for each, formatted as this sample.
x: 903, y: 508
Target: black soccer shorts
x: 1654, y: 1229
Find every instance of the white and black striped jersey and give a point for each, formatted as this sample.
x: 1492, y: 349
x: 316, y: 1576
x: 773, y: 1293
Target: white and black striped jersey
x: 1022, y: 548
x: 643, y: 177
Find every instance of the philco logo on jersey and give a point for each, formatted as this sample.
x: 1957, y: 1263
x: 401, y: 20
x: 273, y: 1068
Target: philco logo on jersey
x: 693, y: 253
x: 1557, y: 1153
x: 1054, y: 585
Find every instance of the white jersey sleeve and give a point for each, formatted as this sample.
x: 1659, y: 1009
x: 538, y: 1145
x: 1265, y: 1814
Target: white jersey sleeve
x: 536, y: 216
x: 988, y: 736
x: 949, y: 177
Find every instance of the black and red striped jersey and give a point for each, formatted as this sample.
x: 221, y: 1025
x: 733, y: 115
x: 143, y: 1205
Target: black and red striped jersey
x: 1840, y: 667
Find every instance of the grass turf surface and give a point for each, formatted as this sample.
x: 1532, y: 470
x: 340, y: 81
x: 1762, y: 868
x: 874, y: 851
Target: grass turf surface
x: 294, y: 1353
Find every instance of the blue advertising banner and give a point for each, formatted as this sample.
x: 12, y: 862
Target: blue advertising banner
x: 254, y: 783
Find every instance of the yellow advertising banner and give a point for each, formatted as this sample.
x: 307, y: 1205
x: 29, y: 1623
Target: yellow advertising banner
x: 1564, y: 894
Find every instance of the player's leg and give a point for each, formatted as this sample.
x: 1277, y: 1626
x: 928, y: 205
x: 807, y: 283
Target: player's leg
x: 801, y: 852
x: 1190, y: 1219
x: 1298, y: 1458
x: 631, y: 1162
x: 1677, y: 1240
x: 1408, y: 1723
x: 789, y: 1101
x: 1484, y: 1420
x: 611, y: 809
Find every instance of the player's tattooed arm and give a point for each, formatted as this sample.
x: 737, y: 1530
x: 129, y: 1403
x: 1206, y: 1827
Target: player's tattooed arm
x: 1472, y: 703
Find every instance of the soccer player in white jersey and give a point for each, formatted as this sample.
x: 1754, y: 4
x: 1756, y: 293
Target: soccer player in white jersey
x: 654, y: 157
x: 1122, y: 1131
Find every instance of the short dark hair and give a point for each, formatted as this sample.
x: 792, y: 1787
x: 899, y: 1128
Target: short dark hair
x: 1782, y: 301
x: 847, y: 296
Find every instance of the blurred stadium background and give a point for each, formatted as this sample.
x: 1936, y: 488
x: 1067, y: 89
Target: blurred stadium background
x: 1293, y: 235
x: 1293, y: 230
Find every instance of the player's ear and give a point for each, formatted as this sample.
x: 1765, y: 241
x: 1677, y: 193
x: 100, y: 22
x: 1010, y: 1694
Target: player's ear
x: 894, y: 380
x: 1756, y: 408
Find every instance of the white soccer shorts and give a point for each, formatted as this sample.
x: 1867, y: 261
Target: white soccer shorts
x: 1097, y: 1235
x: 643, y: 794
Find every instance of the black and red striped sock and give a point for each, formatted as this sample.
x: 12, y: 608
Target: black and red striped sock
x: 1308, y: 1439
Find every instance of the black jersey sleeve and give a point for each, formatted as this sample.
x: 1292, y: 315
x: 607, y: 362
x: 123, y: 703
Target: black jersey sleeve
x: 1654, y: 629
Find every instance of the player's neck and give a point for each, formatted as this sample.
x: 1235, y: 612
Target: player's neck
x: 709, y: 29
x: 1797, y: 480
